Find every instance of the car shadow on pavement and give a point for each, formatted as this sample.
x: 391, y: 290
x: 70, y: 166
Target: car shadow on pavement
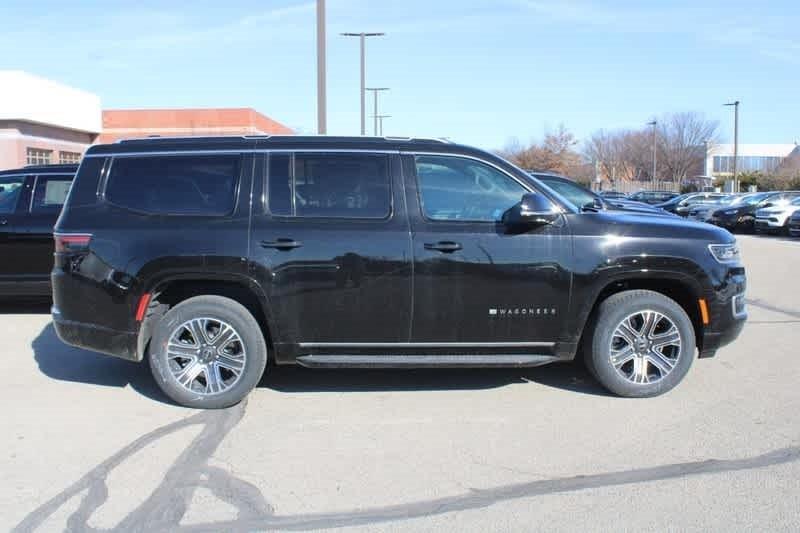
x: 59, y: 361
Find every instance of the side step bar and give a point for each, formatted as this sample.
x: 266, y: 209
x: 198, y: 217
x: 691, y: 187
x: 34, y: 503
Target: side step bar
x: 423, y: 361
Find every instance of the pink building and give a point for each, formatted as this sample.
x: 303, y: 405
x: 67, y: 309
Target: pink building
x: 44, y: 122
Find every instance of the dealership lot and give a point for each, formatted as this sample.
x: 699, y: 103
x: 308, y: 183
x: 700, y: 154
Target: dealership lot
x: 88, y: 441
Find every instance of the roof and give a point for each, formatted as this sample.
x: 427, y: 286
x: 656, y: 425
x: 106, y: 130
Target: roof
x: 266, y: 142
x: 41, y: 169
x: 122, y: 123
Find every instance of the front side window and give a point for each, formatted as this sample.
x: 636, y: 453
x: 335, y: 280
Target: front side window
x: 573, y: 192
x: 37, y: 156
x: 329, y: 185
x: 10, y: 189
x: 203, y: 185
x: 460, y: 189
x: 50, y: 192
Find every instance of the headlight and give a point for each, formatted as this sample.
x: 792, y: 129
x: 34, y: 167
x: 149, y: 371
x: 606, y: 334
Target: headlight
x: 725, y: 253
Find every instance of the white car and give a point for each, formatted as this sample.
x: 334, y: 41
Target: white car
x: 776, y: 217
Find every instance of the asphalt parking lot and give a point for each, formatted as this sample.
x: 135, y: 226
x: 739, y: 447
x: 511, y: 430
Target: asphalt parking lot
x: 88, y: 442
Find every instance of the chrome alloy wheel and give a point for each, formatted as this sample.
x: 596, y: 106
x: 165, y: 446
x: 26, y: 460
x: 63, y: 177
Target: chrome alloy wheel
x: 645, y: 347
x: 206, y: 355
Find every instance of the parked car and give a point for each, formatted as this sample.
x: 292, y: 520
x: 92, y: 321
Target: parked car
x: 586, y: 200
x: 613, y: 195
x: 653, y: 197
x: 208, y: 256
x: 774, y: 217
x: 702, y: 211
x: 683, y: 204
x: 30, y: 201
x: 794, y: 224
x: 740, y: 214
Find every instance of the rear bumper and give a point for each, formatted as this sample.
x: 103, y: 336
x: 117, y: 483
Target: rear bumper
x: 96, y: 338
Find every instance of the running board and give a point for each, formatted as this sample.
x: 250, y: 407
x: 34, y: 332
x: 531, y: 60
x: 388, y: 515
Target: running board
x: 423, y: 361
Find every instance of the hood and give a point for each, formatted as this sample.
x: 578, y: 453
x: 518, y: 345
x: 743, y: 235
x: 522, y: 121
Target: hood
x: 777, y: 210
x: 634, y: 207
x: 631, y: 224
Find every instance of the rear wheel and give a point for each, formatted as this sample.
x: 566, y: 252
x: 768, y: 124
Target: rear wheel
x: 642, y: 344
x: 208, y: 352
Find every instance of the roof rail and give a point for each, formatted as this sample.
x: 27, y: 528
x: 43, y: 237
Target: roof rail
x: 180, y: 138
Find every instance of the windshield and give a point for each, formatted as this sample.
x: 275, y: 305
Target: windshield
x: 749, y: 199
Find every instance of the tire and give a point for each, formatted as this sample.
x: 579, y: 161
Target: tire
x: 640, y: 377
x: 217, y: 371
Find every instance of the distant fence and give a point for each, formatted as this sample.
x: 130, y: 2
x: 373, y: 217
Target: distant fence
x: 628, y: 187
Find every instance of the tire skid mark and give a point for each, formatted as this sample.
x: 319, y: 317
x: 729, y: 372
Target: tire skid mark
x: 165, y: 507
x: 763, y: 305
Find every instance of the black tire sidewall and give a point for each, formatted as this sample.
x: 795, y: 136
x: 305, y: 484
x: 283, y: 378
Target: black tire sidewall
x: 612, y: 312
x: 223, y: 309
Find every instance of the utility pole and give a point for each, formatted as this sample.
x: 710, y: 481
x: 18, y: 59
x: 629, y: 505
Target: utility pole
x: 380, y: 123
x: 375, y: 91
x: 362, y: 38
x: 654, y: 123
x: 735, y: 105
x: 322, y: 105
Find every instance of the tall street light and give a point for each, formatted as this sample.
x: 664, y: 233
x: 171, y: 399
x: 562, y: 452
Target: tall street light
x: 380, y: 122
x: 375, y: 91
x: 654, y: 123
x: 735, y: 105
x: 322, y: 106
x: 362, y: 37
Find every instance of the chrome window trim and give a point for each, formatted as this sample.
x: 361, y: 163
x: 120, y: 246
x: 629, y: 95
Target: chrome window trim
x: 242, y: 151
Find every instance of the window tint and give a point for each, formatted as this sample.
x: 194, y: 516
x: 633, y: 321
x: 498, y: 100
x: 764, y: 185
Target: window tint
x: 10, y: 189
x: 454, y: 188
x: 176, y: 185
x: 329, y: 185
x: 50, y: 192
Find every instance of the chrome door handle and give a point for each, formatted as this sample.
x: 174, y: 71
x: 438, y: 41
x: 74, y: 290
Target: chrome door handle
x: 443, y: 246
x: 282, y: 244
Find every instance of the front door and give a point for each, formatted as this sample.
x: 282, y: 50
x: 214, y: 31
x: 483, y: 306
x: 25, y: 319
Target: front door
x: 478, y: 286
x: 14, y: 198
x: 331, y: 246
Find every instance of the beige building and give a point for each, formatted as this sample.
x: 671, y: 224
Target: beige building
x: 44, y: 122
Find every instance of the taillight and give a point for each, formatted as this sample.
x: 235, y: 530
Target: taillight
x: 71, y: 242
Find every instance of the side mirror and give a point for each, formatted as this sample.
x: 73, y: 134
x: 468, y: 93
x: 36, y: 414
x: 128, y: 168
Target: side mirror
x: 533, y: 210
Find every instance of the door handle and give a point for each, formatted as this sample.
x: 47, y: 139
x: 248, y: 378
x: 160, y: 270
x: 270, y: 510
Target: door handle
x: 3, y: 222
x: 443, y: 246
x: 282, y: 244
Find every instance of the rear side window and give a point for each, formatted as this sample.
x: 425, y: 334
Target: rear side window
x: 175, y: 185
x: 10, y: 190
x: 329, y: 185
x: 50, y: 193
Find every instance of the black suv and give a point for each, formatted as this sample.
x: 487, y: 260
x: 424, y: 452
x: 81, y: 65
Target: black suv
x: 210, y: 256
x: 30, y: 201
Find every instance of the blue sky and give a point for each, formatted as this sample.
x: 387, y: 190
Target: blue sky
x: 479, y: 72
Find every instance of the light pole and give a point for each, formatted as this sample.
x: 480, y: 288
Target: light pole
x: 362, y: 37
x: 380, y: 123
x: 375, y: 91
x: 654, y: 123
x: 735, y: 105
x: 322, y: 107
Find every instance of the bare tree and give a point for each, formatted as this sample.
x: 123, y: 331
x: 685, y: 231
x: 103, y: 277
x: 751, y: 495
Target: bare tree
x: 682, y: 141
x: 556, y: 153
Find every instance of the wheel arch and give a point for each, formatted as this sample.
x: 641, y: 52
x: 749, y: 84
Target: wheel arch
x: 170, y: 291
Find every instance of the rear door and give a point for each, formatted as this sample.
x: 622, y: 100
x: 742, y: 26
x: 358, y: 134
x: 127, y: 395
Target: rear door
x: 330, y: 244
x: 34, y: 235
x: 14, y: 197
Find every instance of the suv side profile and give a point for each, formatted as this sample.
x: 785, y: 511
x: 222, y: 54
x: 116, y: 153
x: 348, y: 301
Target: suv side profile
x: 30, y: 201
x: 210, y: 256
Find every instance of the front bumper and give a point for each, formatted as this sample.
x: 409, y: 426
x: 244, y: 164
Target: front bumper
x: 121, y: 344
x: 727, y: 313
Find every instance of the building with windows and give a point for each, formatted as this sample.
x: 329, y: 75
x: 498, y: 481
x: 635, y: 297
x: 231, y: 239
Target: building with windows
x: 764, y: 158
x: 44, y: 122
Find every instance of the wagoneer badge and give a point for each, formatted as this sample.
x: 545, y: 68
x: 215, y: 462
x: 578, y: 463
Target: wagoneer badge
x: 521, y: 311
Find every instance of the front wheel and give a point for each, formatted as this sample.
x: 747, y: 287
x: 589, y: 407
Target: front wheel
x: 207, y: 352
x: 642, y: 344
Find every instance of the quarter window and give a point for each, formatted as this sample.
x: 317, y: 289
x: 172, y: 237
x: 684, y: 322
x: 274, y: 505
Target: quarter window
x: 37, y: 156
x: 10, y: 189
x: 455, y: 188
x: 329, y: 185
x: 175, y: 185
x: 50, y: 192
